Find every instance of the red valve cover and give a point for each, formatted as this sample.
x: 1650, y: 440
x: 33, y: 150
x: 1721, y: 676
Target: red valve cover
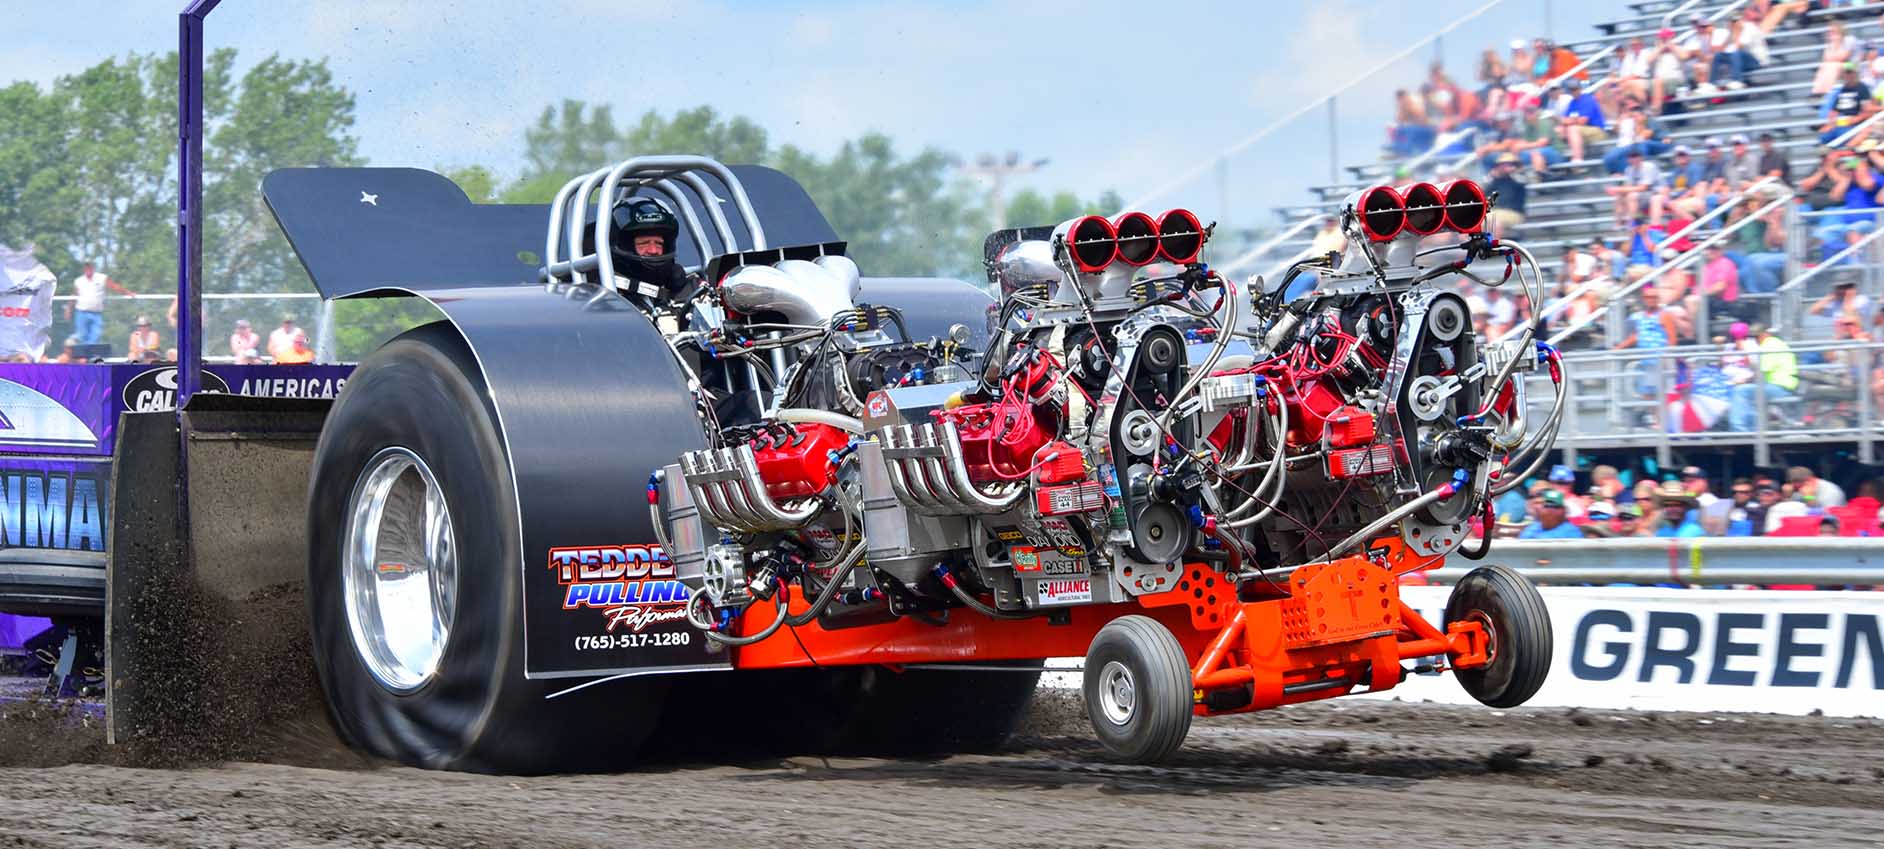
x: 800, y: 466
x: 998, y: 441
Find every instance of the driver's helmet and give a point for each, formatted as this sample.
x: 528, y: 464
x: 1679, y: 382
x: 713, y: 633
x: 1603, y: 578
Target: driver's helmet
x: 641, y: 217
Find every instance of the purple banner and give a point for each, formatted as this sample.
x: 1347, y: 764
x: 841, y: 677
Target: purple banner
x: 72, y: 410
x: 16, y: 630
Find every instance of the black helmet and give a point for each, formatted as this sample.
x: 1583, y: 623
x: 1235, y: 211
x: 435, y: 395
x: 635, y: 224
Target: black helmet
x: 642, y: 217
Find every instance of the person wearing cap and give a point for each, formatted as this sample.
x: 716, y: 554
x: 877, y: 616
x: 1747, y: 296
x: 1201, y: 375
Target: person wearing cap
x: 1741, y: 166
x: 1772, y: 162
x: 70, y: 354
x: 1844, y: 299
x: 1670, y: 70
x: 1552, y: 521
x: 1778, y: 380
x: 1563, y: 480
x: 1694, y: 480
x: 1720, y: 281
x: 1583, y: 121
x: 1601, y: 520
x: 1847, y: 105
x: 1641, y: 177
x: 1508, y: 215
x: 1683, y: 185
x: 1634, y: 64
x: 299, y: 351
x: 1731, y: 516
x: 243, y: 339
x: 143, y: 338
x: 1629, y: 521
x: 1734, y: 59
x: 1766, y: 493
x: 1676, y: 506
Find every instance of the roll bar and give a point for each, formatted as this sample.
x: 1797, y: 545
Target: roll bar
x: 678, y: 178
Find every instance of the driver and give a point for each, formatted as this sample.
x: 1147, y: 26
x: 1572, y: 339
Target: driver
x: 643, y: 243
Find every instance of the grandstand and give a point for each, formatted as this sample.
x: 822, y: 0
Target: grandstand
x: 1637, y: 399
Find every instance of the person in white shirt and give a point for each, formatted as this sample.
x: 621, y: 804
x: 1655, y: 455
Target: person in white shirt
x: 87, y: 311
x: 281, y: 341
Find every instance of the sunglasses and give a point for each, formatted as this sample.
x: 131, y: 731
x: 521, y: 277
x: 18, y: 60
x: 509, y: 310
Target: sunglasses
x: 1743, y: 492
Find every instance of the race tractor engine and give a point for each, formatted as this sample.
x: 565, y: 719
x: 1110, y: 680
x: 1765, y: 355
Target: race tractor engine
x: 1137, y: 414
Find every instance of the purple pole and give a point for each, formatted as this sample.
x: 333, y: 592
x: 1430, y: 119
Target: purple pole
x: 190, y: 201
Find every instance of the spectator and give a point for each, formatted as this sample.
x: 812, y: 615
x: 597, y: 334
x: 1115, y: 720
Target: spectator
x: 1779, y: 378
x: 1600, y: 520
x: 87, y: 310
x: 281, y: 340
x: 1674, y: 520
x: 1670, y: 73
x: 1735, y: 511
x: 143, y: 340
x: 1609, y: 261
x: 1843, y: 300
x: 1680, y: 187
x: 1583, y: 122
x: 1328, y: 239
x: 1563, y: 481
x: 1759, y: 248
x: 1508, y: 215
x: 1694, y: 480
x: 1412, y: 131
x: 1491, y: 70
x: 1854, y: 188
x: 70, y: 354
x: 1606, y: 484
x: 1772, y: 162
x: 1815, y: 491
x: 1742, y: 164
x: 298, y: 352
x: 1733, y: 47
x: 1641, y: 177
x: 243, y: 339
x: 1550, y: 522
x: 1770, y: 14
x: 1720, y: 281
x: 1765, y: 494
x: 1634, y: 64
x: 1645, y: 138
x: 1655, y: 327
x: 1840, y: 49
x: 1629, y: 520
x: 1845, y: 106
x: 1713, y: 161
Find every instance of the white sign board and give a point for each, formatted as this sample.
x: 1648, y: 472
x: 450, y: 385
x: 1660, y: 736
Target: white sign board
x: 1630, y: 648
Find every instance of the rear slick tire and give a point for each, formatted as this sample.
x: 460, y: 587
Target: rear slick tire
x: 1518, y: 626
x: 464, y: 704
x: 1138, y: 689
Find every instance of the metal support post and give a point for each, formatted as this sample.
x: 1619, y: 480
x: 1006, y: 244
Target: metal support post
x: 1334, y: 145
x: 1664, y: 452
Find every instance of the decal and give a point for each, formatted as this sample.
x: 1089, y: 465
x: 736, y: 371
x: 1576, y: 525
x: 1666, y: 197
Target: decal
x: 156, y: 389
x: 1066, y: 591
x: 1025, y: 558
x: 633, y: 585
x: 32, y: 418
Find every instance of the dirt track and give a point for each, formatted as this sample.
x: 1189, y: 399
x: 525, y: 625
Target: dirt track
x: 1335, y: 774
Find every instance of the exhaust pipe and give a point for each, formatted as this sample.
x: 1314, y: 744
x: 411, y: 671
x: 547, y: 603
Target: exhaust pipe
x: 1425, y: 208
x: 1180, y: 237
x: 1382, y: 212
x: 1138, y: 238
x: 1465, y: 206
x: 1091, y: 242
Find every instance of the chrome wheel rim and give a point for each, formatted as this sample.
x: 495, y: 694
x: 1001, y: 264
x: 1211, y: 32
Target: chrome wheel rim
x: 400, y: 575
x: 1118, y: 693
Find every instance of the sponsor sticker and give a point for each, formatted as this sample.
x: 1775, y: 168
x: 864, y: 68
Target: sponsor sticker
x: 633, y: 584
x: 1066, y: 591
x: 156, y: 389
x: 1025, y: 558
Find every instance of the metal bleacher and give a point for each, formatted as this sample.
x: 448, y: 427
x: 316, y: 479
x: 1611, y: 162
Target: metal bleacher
x: 1567, y: 205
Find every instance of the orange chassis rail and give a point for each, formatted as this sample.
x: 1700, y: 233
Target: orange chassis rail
x: 1329, y: 629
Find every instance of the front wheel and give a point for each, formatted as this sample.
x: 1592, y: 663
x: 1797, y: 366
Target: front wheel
x: 1517, y: 625
x: 1138, y: 689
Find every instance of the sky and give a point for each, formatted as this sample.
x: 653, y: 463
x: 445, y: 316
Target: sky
x: 1114, y: 94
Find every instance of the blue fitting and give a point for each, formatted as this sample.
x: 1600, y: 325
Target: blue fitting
x: 1544, y: 351
x: 1197, y: 515
x: 1460, y: 477
x: 915, y: 374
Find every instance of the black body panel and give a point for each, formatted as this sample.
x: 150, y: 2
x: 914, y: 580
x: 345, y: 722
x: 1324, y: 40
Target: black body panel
x: 590, y: 402
x: 384, y: 231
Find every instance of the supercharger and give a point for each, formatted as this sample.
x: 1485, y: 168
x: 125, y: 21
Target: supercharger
x: 1135, y: 413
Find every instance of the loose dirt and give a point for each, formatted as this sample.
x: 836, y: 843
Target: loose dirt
x: 1336, y: 774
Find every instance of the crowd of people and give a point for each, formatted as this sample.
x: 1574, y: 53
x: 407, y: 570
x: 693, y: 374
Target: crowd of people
x: 1604, y: 504
x: 1536, y: 108
x: 287, y: 343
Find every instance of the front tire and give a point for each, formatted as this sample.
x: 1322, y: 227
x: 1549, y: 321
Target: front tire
x: 1518, y: 625
x: 1138, y: 689
x: 414, y: 585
